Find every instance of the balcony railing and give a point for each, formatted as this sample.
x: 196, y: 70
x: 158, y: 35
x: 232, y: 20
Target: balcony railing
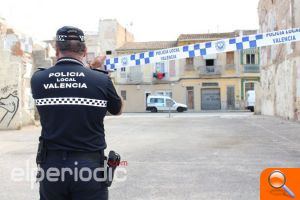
x: 251, y: 69
x: 136, y: 77
x: 189, y: 67
x: 230, y: 67
x: 210, y: 70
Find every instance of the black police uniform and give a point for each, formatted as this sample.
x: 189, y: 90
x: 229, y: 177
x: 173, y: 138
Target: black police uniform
x: 72, y: 101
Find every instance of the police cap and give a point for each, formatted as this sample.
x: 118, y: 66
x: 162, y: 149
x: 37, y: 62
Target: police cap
x: 69, y: 33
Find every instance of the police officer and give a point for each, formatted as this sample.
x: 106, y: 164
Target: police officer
x: 72, y: 101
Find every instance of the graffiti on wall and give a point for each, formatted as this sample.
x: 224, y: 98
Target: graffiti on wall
x: 9, y: 105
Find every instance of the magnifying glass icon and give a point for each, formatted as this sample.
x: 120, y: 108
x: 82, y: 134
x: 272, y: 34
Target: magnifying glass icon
x: 277, y: 180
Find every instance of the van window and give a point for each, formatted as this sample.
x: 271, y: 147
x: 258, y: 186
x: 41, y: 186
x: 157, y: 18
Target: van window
x: 156, y: 100
x: 170, y: 102
x: 160, y: 100
x: 152, y: 100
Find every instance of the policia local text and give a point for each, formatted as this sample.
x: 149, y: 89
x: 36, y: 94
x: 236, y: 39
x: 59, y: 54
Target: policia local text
x: 62, y: 77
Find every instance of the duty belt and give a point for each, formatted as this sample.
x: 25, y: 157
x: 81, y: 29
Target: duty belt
x: 75, y: 155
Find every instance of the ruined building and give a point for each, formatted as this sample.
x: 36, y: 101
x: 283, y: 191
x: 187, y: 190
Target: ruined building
x: 280, y: 64
x: 17, y: 63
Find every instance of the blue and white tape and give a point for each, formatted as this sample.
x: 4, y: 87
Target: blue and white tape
x: 206, y: 48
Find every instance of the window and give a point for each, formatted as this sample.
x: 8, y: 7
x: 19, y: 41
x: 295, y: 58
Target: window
x: 249, y: 86
x: 123, y: 72
x: 164, y: 93
x: 210, y: 62
x: 250, y: 59
x: 210, y: 66
x: 230, y: 58
x: 189, y: 61
x: 168, y: 93
x: 123, y: 94
x: 160, y: 67
x: 189, y: 64
x: 108, y: 53
x: 170, y: 102
x: 152, y: 100
x: 157, y: 100
x: 160, y: 100
x: 135, y: 74
x: 210, y: 69
x: 172, y: 70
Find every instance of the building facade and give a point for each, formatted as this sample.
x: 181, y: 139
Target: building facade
x: 214, y: 82
x: 93, y: 45
x: 280, y: 64
x: 137, y: 82
x: 110, y: 36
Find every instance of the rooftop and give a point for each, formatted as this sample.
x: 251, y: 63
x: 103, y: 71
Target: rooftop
x: 215, y: 36
x: 147, y: 45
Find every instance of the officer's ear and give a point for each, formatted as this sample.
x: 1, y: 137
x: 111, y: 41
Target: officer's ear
x: 56, y: 52
x: 85, y: 52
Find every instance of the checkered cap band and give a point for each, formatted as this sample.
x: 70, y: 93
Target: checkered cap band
x: 71, y: 101
x: 69, y: 33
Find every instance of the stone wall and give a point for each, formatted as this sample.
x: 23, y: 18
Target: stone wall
x: 280, y: 64
x: 16, y: 103
x: 10, y: 115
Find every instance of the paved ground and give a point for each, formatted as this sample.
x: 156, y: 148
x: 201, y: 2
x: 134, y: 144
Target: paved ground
x: 187, y: 156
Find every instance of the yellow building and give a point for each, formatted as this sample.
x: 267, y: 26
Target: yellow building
x: 213, y: 82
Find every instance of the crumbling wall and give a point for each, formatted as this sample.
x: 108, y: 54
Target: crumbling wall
x: 279, y: 63
x: 296, y: 21
x: 10, y: 115
x: 16, y: 104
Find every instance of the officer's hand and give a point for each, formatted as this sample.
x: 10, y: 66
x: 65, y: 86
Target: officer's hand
x: 98, y: 62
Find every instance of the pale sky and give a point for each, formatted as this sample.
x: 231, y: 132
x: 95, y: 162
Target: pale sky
x: 151, y: 19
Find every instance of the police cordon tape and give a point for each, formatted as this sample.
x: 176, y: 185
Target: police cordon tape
x: 205, y: 48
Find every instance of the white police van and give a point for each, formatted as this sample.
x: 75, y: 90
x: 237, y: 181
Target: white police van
x: 164, y: 103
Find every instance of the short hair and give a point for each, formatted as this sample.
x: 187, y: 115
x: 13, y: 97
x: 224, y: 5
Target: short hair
x: 73, y: 46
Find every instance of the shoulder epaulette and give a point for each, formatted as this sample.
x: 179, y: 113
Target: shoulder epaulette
x: 99, y: 70
x: 41, y: 68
